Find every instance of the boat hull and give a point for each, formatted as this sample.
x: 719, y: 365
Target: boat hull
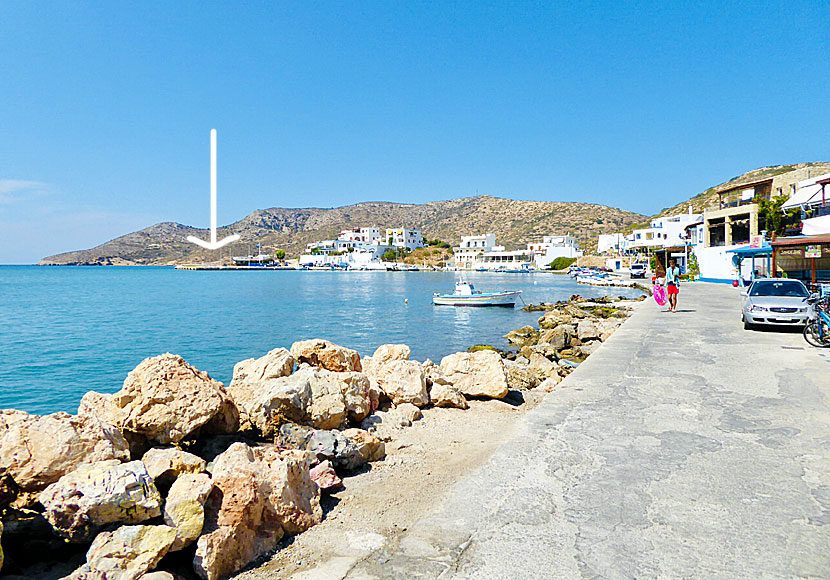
x: 506, y: 299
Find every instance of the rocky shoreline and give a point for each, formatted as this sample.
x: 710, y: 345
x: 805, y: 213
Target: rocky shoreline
x: 178, y: 474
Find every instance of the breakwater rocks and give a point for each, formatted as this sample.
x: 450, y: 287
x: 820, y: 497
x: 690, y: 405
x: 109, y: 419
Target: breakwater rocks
x: 178, y: 476
x: 567, y: 334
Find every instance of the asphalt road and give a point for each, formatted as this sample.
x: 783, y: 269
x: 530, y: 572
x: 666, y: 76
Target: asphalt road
x: 684, y: 448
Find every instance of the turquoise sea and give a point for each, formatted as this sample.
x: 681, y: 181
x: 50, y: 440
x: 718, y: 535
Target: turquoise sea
x: 69, y: 330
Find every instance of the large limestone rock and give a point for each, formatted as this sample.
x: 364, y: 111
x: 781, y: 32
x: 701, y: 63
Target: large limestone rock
x: 250, y: 374
x: 442, y: 395
x: 325, y: 354
x: 542, y: 368
x: 525, y: 336
x: 587, y: 330
x: 166, y: 464
x: 184, y: 508
x: 519, y: 376
x: 390, y: 352
x: 324, y: 476
x: 553, y: 319
x: 311, y: 396
x: 37, y: 451
x: 82, y: 502
x: 260, y: 494
x: 433, y: 374
x: 129, y: 552
x: 165, y: 400
x: 334, y: 446
x: 370, y: 447
x: 476, y: 374
x: 403, y: 381
x: 559, y: 337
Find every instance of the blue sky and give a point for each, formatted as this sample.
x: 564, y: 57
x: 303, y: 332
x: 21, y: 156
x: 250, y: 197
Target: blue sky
x: 106, y: 107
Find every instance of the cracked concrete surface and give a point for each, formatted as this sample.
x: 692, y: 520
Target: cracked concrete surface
x: 684, y: 448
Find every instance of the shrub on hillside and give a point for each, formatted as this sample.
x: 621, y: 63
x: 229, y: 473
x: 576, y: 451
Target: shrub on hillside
x: 561, y: 263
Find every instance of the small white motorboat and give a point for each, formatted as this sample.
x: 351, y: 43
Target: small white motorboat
x: 466, y: 295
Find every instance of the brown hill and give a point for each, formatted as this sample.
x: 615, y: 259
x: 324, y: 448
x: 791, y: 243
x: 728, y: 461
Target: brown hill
x: 710, y: 196
x: 514, y: 222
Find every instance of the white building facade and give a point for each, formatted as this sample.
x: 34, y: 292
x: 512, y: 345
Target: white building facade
x: 610, y: 244
x: 552, y: 247
x: 812, y: 198
x: 370, y: 235
x: 404, y: 238
x: 467, y: 253
x: 664, y: 232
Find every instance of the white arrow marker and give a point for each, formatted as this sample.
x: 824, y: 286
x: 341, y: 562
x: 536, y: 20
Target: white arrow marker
x: 213, y: 244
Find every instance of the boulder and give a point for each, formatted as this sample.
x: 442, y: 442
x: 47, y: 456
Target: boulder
x: 259, y: 495
x: 249, y: 374
x: 311, y: 396
x: 128, y: 552
x: 166, y: 464
x: 407, y: 413
x: 37, y: 451
x: 587, y: 330
x: 476, y: 374
x: 165, y: 400
x: 527, y: 335
x: 334, y: 446
x: 443, y: 395
x: 575, y: 311
x: 558, y: 337
x: 327, y: 355
x: 159, y: 576
x: 549, y: 384
x: 370, y: 447
x: 402, y: 381
x: 184, y: 508
x: 82, y: 502
x: 554, y: 318
x: 433, y: 374
x: 589, y: 348
x: 519, y: 376
x: 541, y: 368
x: 390, y: 352
x: 324, y: 476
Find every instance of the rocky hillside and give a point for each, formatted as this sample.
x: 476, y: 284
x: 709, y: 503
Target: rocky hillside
x: 710, y: 196
x: 514, y: 222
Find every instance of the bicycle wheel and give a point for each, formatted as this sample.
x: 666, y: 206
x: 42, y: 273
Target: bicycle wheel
x: 815, y: 335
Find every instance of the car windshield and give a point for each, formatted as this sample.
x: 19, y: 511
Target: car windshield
x: 782, y: 288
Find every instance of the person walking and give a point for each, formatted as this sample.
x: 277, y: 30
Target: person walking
x: 672, y: 284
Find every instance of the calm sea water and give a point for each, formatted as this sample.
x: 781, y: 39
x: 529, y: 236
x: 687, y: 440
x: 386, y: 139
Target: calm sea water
x: 68, y: 330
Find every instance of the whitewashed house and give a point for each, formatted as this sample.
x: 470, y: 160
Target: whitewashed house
x: 404, y: 238
x: 370, y: 235
x: 552, y: 247
x: 466, y: 254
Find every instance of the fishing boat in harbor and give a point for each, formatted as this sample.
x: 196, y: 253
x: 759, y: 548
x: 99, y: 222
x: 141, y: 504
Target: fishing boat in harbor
x: 466, y: 295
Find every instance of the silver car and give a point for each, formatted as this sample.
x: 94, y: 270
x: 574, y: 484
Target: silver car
x: 776, y: 302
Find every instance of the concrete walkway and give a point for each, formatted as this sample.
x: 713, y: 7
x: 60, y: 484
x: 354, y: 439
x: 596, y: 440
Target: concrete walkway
x: 684, y: 448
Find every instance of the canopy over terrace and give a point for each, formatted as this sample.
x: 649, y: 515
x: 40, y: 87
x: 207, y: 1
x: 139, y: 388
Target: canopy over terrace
x: 803, y: 257
x: 744, y: 252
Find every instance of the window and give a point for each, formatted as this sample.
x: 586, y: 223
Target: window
x: 792, y: 189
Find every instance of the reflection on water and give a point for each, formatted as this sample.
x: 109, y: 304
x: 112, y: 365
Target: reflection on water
x: 70, y: 330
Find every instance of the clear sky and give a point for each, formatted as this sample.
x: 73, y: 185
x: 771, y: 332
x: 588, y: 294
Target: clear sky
x: 106, y: 107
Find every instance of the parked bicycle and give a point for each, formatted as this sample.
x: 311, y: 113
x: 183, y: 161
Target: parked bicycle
x: 817, y: 331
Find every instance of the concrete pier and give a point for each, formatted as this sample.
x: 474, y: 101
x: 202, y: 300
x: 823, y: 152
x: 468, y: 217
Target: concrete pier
x: 685, y: 448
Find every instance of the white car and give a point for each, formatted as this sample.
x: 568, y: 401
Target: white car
x: 637, y: 270
x: 776, y: 302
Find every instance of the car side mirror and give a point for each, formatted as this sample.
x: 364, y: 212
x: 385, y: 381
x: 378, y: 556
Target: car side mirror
x: 744, y: 293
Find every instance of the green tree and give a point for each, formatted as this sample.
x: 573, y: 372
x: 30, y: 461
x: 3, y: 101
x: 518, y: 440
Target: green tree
x: 389, y: 256
x: 772, y: 217
x: 280, y: 255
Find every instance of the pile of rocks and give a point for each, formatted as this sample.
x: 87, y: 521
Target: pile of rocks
x: 567, y: 334
x: 176, y: 468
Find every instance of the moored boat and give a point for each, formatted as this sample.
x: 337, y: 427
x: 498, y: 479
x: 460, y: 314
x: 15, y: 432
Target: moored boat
x: 466, y: 295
